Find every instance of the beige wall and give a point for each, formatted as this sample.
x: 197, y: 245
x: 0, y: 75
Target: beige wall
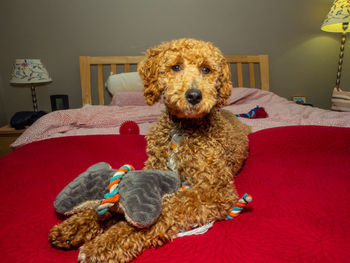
x: 303, y: 59
x: 3, y: 59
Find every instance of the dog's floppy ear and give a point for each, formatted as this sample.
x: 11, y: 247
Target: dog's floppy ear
x: 148, y: 71
x: 225, y: 84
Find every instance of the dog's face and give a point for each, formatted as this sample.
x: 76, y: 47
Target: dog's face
x: 193, y: 76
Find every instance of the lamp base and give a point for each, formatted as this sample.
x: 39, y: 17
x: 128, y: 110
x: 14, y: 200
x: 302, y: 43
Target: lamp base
x: 34, y: 100
x: 341, y: 55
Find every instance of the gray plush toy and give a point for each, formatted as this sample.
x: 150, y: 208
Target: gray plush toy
x: 85, y: 191
x: 141, y: 193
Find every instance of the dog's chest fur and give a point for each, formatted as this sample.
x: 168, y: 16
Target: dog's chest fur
x: 192, y: 142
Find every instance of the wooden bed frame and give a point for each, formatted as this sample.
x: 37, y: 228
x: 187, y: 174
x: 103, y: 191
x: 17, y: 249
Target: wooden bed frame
x: 237, y: 62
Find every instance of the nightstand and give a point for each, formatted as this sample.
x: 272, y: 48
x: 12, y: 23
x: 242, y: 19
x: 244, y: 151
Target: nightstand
x: 7, y: 136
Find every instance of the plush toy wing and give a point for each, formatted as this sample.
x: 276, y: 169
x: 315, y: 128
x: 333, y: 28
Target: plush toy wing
x: 86, y: 191
x: 141, y: 194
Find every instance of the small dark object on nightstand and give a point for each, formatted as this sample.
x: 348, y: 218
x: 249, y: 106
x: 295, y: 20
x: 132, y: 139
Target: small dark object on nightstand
x: 22, y: 119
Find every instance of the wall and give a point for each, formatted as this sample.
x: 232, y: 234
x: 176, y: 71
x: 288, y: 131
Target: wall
x: 3, y: 54
x: 3, y: 119
x: 303, y: 59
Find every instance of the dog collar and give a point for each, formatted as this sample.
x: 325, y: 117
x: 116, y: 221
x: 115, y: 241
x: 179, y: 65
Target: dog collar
x: 174, y: 118
x: 184, y: 122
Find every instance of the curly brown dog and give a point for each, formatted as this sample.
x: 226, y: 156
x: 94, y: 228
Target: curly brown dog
x: 210, y: 148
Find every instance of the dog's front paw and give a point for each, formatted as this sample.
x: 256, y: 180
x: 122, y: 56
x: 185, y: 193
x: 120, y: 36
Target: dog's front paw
x: 81, y: 256
x: 93, y: 253
x: 90, y: 255
x: 75, y: 231
x: 104, y: 249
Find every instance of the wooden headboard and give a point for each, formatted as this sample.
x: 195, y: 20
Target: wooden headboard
x: 257, y: 67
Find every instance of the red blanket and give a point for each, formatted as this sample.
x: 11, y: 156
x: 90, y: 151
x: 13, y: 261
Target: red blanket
x: 299, y: 178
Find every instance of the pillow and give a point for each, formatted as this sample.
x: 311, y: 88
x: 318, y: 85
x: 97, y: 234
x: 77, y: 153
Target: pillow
x: 128, y: 98
x: 340, y: 100
x: 130, y: 81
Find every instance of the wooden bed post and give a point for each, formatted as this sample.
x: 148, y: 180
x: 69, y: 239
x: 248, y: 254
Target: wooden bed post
x: 85, y: 79
x: 264, y: 72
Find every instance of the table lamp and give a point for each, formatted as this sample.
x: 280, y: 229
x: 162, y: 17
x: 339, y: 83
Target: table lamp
x: 337, y: 21
x: 30, y: 72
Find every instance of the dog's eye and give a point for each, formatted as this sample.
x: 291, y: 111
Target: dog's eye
x: 176, y: 68
x: 205, y: 70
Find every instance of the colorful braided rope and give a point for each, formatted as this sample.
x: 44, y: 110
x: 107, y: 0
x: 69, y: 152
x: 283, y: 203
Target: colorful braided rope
x: 185, y: 186
x: 237, y: 209
x: 241, y: 203
x: 112, y: 197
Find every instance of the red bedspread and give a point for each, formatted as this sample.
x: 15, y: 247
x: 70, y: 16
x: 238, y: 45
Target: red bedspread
x: 299, y: 178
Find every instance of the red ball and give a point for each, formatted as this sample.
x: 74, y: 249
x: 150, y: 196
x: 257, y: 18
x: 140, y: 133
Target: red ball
x: 129, y: 127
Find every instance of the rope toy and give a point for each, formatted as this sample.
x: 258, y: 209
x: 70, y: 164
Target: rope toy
x: 237, y: 209
x: 185, y: 186
x: 111, y: 198
x: 240, y: 204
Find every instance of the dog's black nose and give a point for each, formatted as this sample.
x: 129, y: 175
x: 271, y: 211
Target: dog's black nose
x: 193, y: 96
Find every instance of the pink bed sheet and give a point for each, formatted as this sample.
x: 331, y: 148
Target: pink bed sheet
x: 107, y: 119
x: 281, y: 111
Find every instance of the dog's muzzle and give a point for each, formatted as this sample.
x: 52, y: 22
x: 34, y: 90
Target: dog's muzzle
x: 193, y: 96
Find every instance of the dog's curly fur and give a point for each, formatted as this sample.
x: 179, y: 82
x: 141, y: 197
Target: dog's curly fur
x: 212, y: 150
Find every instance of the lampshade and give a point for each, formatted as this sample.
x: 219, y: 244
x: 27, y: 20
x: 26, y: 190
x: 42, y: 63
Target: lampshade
x: 339, y: 14
x: 29, y: 71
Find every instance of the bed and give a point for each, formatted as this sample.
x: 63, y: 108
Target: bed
x: 298, y: 172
